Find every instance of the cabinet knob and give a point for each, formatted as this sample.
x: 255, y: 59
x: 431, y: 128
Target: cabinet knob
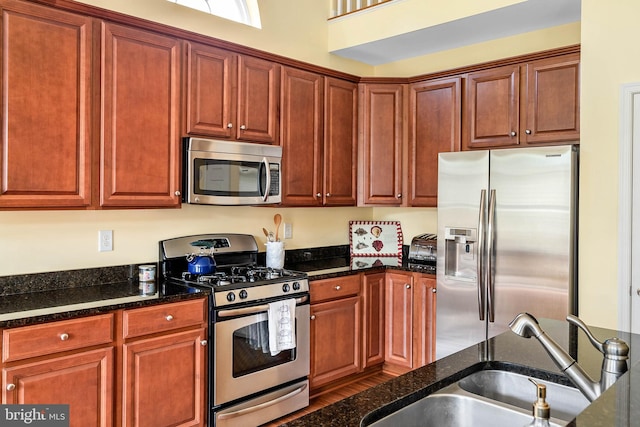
x: 177, y: 193
x: 408, y: 286
x: 203, y: 343
x: 399, y: 196
x: 318, y: 195
x: 64, y: 336
x: 11, y: 387
x: 528, y: 131
x: 243, y: 127
x: 229, y: 125
x: 434, y: 290
x: 338, y: 287
x: 169, y: 317
x: 313, y: 317
x: 513, y: 133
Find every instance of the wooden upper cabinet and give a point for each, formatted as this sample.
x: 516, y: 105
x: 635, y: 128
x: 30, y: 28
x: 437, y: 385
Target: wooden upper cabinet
x: 231, y: 96
x: 211, y: 99
x: 140, y: 118
x: 434, y: 127
x: 340, y: 142
x: 536, y: 102
x: 382, y: 117
x: 492, y: 108
x: 301, y: 137
x: 45, y: 153
x: 553, y: 100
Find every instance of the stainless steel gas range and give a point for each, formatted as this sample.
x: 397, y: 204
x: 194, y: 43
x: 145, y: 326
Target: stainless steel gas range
x: 259, y: 327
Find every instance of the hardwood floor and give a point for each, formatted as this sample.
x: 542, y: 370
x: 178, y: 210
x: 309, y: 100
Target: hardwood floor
x: 333, y: 396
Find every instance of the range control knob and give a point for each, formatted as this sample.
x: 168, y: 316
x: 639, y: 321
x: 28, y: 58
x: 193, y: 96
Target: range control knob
x: 296, y: 286
x: 243, y: 294
x: 231, y: 297
x: 286, y: 288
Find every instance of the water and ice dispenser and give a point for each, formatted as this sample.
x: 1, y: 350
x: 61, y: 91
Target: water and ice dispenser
x: 460, y: 253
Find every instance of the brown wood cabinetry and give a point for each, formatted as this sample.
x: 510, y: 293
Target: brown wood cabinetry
x: 231, y: 96
x: 66, y: 362
x: 45, y: 153
x: 434, y: 127
x: 318, y: 137
x: 172, y: 336
x: 335, y: 329
x: 140, y: 118
x: 410, y: 320
x: 523, y: 104
x: 373, y: 286
x: 382, y: 118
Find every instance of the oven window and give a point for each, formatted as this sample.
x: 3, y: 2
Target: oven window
x: 251, y: 350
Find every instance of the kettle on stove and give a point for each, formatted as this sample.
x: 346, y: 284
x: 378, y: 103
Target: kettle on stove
x: 202, y: 262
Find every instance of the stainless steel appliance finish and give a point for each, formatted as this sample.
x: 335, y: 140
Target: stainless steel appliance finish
x: 248, y: 384
x: 506, y: 240
x: 231, y: 173
x: 423, y: 253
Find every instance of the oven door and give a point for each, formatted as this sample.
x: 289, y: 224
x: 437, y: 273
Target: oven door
x: 242, y: 366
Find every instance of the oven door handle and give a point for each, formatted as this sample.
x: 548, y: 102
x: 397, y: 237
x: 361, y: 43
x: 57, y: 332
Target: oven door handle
x: 263, y: 405
x: 254, y: 309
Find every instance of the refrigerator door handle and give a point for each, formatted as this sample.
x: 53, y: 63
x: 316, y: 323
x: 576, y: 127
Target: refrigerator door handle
x: 480, y: 263
x: 491, y: 274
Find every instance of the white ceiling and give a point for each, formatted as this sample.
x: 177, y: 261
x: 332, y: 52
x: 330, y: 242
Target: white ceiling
x: 523, y: 17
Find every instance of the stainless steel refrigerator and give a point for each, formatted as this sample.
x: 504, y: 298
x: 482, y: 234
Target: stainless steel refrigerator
x: 507, y: 230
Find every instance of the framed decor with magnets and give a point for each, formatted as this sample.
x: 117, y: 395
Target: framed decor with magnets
x: 374, y: 243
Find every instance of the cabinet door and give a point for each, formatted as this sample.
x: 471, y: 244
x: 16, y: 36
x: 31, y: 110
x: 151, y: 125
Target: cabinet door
x: 301, y: 137
x: 335, y: 340
x: 492, y: 108
x: 399, y: 319
x: 45, y: 151
x: 340, y: 142
x: 211, y: 82
x: 553, y: 100
x: 373, y: 324
x: 164, y: 380
x: 84, y: 381
x: 258, y: 99
x: 424, y: 315
x: 434, y: 127
x: 140, y: 118
x: 381, y: 150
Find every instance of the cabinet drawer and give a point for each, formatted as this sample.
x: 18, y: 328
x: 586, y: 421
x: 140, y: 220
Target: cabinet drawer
x: 48, y: 338
x: 340, y: 287
x: 160, y: 318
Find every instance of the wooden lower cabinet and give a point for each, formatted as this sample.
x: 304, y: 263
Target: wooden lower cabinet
x: 84, y: 381
x: 410, y: 303
x: 171, y: 337
x: 173, y: 395
x: 336, y: 319
x: 373, y: 324
x: 66, y: 362
x: 152, y: 373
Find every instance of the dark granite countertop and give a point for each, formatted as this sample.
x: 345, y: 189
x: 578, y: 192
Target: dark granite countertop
x: 46, y: 297
x: 618, y: 406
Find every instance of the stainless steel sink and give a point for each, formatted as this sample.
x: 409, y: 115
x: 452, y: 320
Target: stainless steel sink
x: 515, y: 389
x: 490, y: 398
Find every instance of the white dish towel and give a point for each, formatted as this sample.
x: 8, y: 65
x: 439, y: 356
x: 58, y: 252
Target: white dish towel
x: 282, y: 325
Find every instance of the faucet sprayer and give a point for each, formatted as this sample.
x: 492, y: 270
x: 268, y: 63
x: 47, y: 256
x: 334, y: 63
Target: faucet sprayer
x: 615, y: 351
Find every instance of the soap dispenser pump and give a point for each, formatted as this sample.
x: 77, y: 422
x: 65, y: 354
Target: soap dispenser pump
x: 541, y: 409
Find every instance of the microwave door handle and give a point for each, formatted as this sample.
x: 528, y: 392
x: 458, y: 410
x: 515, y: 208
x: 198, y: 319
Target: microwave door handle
x: 265, y: 162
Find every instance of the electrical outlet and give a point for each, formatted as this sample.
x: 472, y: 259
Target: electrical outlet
x: 288, y: 233
x: 105, y: 240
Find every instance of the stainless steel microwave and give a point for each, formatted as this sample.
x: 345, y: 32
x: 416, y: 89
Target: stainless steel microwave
x: 231, y: 173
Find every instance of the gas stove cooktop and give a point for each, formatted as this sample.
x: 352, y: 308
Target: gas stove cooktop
x: 237, y: 278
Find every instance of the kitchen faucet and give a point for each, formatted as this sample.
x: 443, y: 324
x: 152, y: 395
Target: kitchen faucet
x: 615, y: 351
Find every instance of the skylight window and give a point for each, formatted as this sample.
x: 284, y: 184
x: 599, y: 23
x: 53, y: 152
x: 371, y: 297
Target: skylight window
x: 243, y: 11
